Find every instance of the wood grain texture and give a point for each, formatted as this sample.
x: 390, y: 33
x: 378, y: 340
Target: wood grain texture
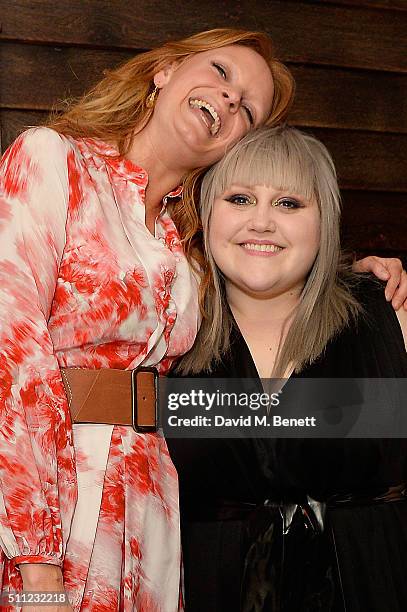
x: 393, y: 5
x: 302, y: 32
x: 37, y: 77
x: 367, y: 160
x: 334, y: 97
x: 12, y: 123
x: 374, y: 220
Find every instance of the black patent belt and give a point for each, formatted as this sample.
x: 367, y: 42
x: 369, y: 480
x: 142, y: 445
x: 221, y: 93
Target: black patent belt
x: 257, y: 516
x: 385, y: 495
x: 229, y: 510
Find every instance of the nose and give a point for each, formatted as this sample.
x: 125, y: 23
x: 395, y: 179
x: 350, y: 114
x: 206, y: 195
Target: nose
x: 232, y: 97
x: 262, y: 219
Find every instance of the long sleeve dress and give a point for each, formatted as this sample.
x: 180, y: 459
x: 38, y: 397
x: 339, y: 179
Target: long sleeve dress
x: 85, y: 284
x: 251, y: 527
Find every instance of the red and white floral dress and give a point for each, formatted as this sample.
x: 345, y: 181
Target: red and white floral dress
x: 83, y: 283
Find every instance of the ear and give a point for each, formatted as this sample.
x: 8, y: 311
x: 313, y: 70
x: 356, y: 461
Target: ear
x: 163, y: 77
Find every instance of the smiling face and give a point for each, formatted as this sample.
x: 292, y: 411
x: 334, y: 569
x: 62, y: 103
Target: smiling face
x: 264, y: 240
x: 211, y: 100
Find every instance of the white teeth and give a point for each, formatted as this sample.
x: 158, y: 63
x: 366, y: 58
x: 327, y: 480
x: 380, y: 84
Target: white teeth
x: 215, y: 127
x: 271, y: 248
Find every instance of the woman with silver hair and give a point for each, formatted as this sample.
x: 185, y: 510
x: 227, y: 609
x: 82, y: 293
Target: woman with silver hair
x: 280, y: 302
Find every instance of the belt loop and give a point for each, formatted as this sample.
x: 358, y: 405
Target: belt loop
x: 144, y: 382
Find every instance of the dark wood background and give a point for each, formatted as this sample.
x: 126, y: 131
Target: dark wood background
x: 349, y: 58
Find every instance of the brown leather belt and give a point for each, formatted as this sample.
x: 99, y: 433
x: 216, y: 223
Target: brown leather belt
x: 113, y: 397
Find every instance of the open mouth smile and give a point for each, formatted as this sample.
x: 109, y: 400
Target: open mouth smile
x: 209, y: 114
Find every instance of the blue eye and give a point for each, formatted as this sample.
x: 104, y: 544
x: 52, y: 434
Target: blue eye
x: 220, y: 69
x: 240, y: 199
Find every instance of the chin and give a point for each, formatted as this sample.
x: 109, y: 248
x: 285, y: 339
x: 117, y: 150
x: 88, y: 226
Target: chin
x: 201, y: 150
x: 259, y: 290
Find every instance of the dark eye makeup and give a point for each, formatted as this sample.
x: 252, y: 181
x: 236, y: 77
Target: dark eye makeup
x: 240, y: 199
x: 288, y: 203
x: 284, y: 203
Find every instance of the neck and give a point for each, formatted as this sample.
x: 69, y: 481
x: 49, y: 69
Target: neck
x: 268, y: 311
x: 264, y: 324
x: 160, y: 162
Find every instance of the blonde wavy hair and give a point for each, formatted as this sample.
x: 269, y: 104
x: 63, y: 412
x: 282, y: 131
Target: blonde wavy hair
x: 116, y: 108
x: 290, y: 160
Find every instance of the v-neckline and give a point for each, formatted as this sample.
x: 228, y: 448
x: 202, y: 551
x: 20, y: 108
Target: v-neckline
x: 244, y: 359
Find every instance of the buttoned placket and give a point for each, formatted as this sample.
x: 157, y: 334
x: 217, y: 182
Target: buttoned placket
x: 137, y: 177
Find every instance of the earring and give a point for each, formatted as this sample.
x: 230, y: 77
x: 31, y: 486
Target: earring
x: 150, y: 101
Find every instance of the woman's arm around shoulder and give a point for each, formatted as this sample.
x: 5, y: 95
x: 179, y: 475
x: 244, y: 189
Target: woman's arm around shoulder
x: 388, y: 269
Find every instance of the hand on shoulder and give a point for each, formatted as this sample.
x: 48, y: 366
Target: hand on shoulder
x: 388, y: 269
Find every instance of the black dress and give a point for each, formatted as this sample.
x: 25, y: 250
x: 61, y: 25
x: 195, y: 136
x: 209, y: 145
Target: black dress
x: 251, y: 528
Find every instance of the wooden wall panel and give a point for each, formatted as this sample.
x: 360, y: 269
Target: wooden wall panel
x: 350, y: 99
x: 38, y: 76
x: 394, y: 5
x: 303, y: 32
x: 13, y: 122
x: 374, y: 220
x: 376, y: 104
x: 367, y: 160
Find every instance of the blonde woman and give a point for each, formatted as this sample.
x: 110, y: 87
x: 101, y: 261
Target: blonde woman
x: 279, y: 302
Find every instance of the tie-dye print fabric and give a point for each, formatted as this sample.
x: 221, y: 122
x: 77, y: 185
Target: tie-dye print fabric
x: 85, y: 284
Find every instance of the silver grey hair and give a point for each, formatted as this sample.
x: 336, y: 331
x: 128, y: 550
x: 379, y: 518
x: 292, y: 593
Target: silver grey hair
x: 289, y: 160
